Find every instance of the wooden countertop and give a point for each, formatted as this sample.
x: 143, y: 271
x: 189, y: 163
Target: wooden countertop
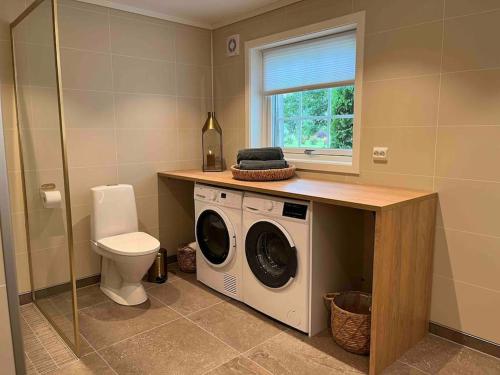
x: 373, y: 198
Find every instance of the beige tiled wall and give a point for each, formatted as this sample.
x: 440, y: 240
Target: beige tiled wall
x: 431, y: 94
x: 136, y: 93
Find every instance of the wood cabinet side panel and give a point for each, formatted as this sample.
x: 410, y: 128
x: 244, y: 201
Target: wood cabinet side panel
x: 403, y: 256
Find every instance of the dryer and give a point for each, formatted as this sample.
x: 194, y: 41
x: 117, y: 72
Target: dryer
x: 218, y: 235
x: 276, y: 234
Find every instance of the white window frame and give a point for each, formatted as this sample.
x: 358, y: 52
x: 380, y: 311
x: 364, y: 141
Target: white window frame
x: 258, y: 132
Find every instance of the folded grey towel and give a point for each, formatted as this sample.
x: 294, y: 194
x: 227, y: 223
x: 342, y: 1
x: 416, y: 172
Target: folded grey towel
x: 262, y: 164
x: 264, y: 153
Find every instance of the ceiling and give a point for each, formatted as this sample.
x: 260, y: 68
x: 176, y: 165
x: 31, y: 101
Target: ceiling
x: 203, y: 13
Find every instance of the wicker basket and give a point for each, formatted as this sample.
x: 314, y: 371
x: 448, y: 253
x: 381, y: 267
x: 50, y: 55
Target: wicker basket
x: 350, y: 320
x: 263, y: 174
x: 186, y: 257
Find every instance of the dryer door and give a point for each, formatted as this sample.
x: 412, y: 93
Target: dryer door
x: 271, y: 253
x: 215, y: 236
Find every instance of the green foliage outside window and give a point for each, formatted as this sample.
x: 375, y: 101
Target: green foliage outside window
x: 341, y: 129
x: 320, y: 118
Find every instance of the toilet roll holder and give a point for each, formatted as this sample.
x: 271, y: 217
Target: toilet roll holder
x: 47, y: 187
x: 45, y: 190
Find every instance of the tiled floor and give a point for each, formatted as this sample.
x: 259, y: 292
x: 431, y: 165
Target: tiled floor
x: 45, y: 350
x: 186, y: 328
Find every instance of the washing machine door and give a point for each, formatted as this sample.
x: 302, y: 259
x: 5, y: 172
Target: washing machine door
x: 215, y: 236
x: 271, y: 253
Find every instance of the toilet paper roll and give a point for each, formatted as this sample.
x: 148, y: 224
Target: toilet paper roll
x: 51, y: 198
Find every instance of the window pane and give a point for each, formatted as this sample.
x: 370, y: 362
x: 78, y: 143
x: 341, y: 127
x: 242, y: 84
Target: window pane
x: 290, y: 133
x: 314, y: 119
x: 341, y: 133
x: 343, y: 100
x: 315, y: 103
x: 314, y: 134
x: 342, y: 109
x: 291, y: 104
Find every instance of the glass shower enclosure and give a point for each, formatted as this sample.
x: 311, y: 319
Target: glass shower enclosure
x: 42, y: 143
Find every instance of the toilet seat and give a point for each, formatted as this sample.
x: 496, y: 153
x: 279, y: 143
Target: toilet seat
x: 130, y: 244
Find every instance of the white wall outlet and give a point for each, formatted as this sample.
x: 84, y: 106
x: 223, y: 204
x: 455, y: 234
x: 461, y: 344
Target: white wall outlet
x: 380, y: 153
x: 233, y: 45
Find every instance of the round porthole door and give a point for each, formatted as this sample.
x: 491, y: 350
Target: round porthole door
x: 215, y: 236
x: 271, y: 254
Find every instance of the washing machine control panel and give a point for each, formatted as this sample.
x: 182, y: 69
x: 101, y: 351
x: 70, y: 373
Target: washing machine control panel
x: 295, y: 210
x: 221, y: 197
x: 276, y: 207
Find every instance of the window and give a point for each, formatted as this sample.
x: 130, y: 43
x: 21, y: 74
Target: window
x: 303, y: 93
x: 314, y: 121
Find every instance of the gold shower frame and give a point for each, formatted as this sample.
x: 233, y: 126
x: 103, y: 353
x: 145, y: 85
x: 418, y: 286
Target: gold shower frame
x: 75, y: 346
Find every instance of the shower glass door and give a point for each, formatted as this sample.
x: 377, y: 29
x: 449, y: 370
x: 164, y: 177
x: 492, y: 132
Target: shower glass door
x: 44, y: 167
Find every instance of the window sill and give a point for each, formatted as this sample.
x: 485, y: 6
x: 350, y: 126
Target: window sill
x: 339, y: 164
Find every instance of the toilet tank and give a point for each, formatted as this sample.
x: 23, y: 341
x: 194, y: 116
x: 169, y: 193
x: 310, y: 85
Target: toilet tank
x: 113, y: 211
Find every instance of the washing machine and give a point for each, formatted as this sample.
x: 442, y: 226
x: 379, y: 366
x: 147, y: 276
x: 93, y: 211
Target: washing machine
x: 276, y: 234
x: 219, y: 253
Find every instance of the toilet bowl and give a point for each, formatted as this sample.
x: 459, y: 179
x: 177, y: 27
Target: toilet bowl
x: 126, y: 253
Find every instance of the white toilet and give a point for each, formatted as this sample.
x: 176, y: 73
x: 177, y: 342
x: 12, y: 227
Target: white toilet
x: 126, y: 253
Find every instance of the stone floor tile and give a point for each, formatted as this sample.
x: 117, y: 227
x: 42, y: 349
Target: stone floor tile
x: 87, y: 296
x: 185, y: 297
x: 239, y: 366
x: 43, y: 346
x: 30, y: 369
x: 178, y: 348
x: 292, y: 352
x: 87, y: 365
x: 175, y: 272
x: 237, y: 325
x: 435, y: 355
x: 399, y: 368
x: 47, y: 306
x: 109, y: 322
x: 217, y: 336
x: 85, y: 347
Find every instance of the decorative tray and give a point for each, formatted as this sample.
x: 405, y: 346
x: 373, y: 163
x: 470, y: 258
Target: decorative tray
x: 263, y: 174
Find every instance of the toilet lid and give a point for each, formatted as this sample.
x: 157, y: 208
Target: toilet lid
x: 135, y: 243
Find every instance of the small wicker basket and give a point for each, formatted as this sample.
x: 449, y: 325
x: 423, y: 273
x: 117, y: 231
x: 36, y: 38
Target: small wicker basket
x: 186, y: 257
x: 350, y: 320
x: 263, y: 174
